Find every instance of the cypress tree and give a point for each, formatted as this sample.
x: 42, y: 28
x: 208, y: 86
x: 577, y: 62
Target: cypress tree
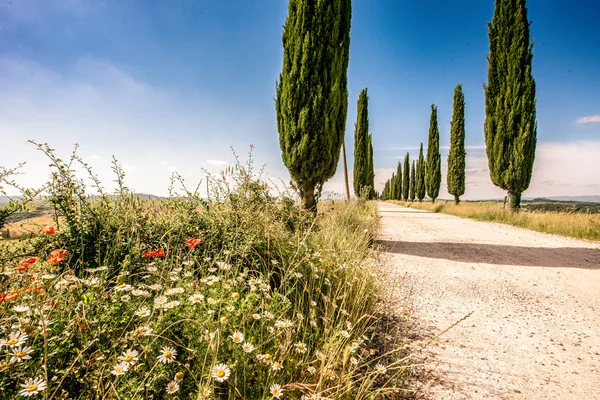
x: 399, y: 181
x: 393, y: 187
x: 386, y: 189
x: 420, y: 172
x: 510, y: 128
x: 311, y: 94
x: 406, y: 178
x: 370, y: 168
x: 361, y: 144
x: 433, y: 173
x: 412, y: 181
x: 456, y: 157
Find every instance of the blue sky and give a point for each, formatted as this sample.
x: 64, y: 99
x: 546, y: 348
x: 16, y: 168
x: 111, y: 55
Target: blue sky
x: 170, y: 86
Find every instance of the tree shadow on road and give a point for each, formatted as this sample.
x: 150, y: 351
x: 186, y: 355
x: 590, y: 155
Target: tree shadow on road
x: 559, y: 257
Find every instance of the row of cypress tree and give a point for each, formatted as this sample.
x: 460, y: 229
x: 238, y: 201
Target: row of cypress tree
x: 312, y: 96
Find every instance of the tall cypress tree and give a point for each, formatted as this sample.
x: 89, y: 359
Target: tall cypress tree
x: 361, y: 143
x: 510, y: 116
x: 406, y: 177
x: 420, y: 172
x: 370, y: 168
x: 398, y: 181
x: 413, y: 177
x: 312, y: 96
x: 456, y: 157
x: 393, y: 187
x: 433, y: 173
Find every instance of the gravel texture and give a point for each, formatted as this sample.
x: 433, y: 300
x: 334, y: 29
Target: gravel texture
x: 526, y: 306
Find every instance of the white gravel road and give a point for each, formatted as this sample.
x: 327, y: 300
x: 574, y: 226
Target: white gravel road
x: 533, y: 299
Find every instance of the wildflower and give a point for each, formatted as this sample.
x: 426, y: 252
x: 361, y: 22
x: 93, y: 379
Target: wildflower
x: 139, y: 292
x: 32, y: 387
x: 125, y: 298
x: 380, y: 369
x: 235, y: 296
x: 223, y: 266
x: 265, y: 358
x: 331, y: 375
x: 221, y: 372
x: 156, y: 286
x: 187, y: 263
x: 353, y: 360
x: 19, y: 354
x: 167, y: 355
x: 248, y: 347
x: 142, y: 331
x: 313, y: 303
x: 300, y: 348
x: 230, y: 308
x: 24, y: 265
x: 276, y: 366
x: 311, y: 370
x: 276, y: 390
x: 120, y: 369
x: 211, y: 280
x: 264, y: 287
x: 298, y: 275
x: 372, y: 352
x: 123, y: 287
x: 179, y: 376
x: 270, y: 329
x: 152, y: 269
x: 171, y: 304
x: 268, y: 315
x: 345, y: 334
x: 211, y: 302
x: 223, y: 319
x: 160, y: 301
x: 196, y: 298
x: 320, y: 356
x: 192, y: 243
x: 48, y: 276
x: 50, y: 230
x: 174, y: 291
x: 130, y: 357
x: 57, y: 256
x: 21, y: 309
x: 237, y: 337
x: 172, y: 387
x: 14, y: 339
x: 256, y: 317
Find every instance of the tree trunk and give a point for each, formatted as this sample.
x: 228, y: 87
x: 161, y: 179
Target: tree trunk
x: 456, y: 199
x: 345, y: 171
x: 308, y: 198
x: 514, y: 201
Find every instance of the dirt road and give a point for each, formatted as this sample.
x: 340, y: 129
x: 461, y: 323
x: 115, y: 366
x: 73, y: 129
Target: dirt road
x: 534, y: 299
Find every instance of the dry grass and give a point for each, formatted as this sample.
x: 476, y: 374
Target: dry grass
x: 577, y: 225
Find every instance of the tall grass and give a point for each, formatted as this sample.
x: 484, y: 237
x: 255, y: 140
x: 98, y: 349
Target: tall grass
x: 577, y: 225
x: 266, y: 302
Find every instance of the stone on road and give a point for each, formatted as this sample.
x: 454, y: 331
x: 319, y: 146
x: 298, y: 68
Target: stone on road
x: 533, y: 299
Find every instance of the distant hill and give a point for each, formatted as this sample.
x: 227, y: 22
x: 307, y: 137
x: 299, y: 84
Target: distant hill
x: 578, y: 199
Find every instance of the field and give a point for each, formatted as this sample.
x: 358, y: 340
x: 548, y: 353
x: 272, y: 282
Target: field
x: 579, y: 220
x: 242, y: 296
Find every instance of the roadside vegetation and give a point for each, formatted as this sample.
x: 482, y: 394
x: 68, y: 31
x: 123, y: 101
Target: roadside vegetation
x: 576, y: 220
x: 243, y: 295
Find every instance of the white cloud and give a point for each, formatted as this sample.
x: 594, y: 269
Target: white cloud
x: 216, y: 163
x: 589, y: 119
x: 163, y: 163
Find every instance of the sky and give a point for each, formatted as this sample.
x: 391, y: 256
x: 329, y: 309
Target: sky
x: 168, y: 86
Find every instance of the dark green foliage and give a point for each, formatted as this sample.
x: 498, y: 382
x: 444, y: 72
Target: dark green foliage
x: 393, y: 187
x: 312, y: 95
x: 361, y: 144
x: 510, y: 125
x: 420, y: 172
x: 406, y: 177
x: 433, y: 174
x: 370, y: 168
x: 412, y: 182
x: 456, y: 157
x: 398, y: 182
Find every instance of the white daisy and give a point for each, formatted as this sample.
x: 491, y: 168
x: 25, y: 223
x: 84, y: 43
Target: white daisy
x: 167, y: 355
x: 143, y: 312
x: 156, y: 286
x: 139, y: 292
x: 48, y: 276
x: 276, y: 366
x: 256, y: 317
x: 19, y: 354
x: 248, y: 347
x: 237, y: 337
x: 172, y: 387
x: 14, y: 339
x: 171, y: 304
x: 174, y: 291
x: 123, y: 287
x: 221, y: 372
x: 196, y: 298
x: 120, y: 369
x: 300, y: 348
x: 125, y: 298
x: 276, y: 390
x: 32, y: 387
x: 380, y: 369
x: 345, y: 333
x: 130, y: 357
x: 160, y: 301
x: 311, y: 370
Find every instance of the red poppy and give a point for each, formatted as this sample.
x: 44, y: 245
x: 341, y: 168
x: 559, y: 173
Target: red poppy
x: 50, y: 230
x: 24, y: 265
x: 192, y: 243
x: 57, y: 256
x: 156, y: 253
x: 9, y: 296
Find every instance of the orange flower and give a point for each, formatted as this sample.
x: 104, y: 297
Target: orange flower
x: 156, y: 253
x: 50, y: 230
x: 24, y: 265
x: 192, y: 243
x: 9, y: 296
x: 57, y: 256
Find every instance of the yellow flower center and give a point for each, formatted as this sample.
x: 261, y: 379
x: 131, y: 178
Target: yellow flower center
x: 12, y: 342
x: 128, y: 358
x: 167, y: 354
x: 267, y: 356
x: 20, y: 354
x: 32, y: 388
x: 179, y: 376
x: 220, y: 373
